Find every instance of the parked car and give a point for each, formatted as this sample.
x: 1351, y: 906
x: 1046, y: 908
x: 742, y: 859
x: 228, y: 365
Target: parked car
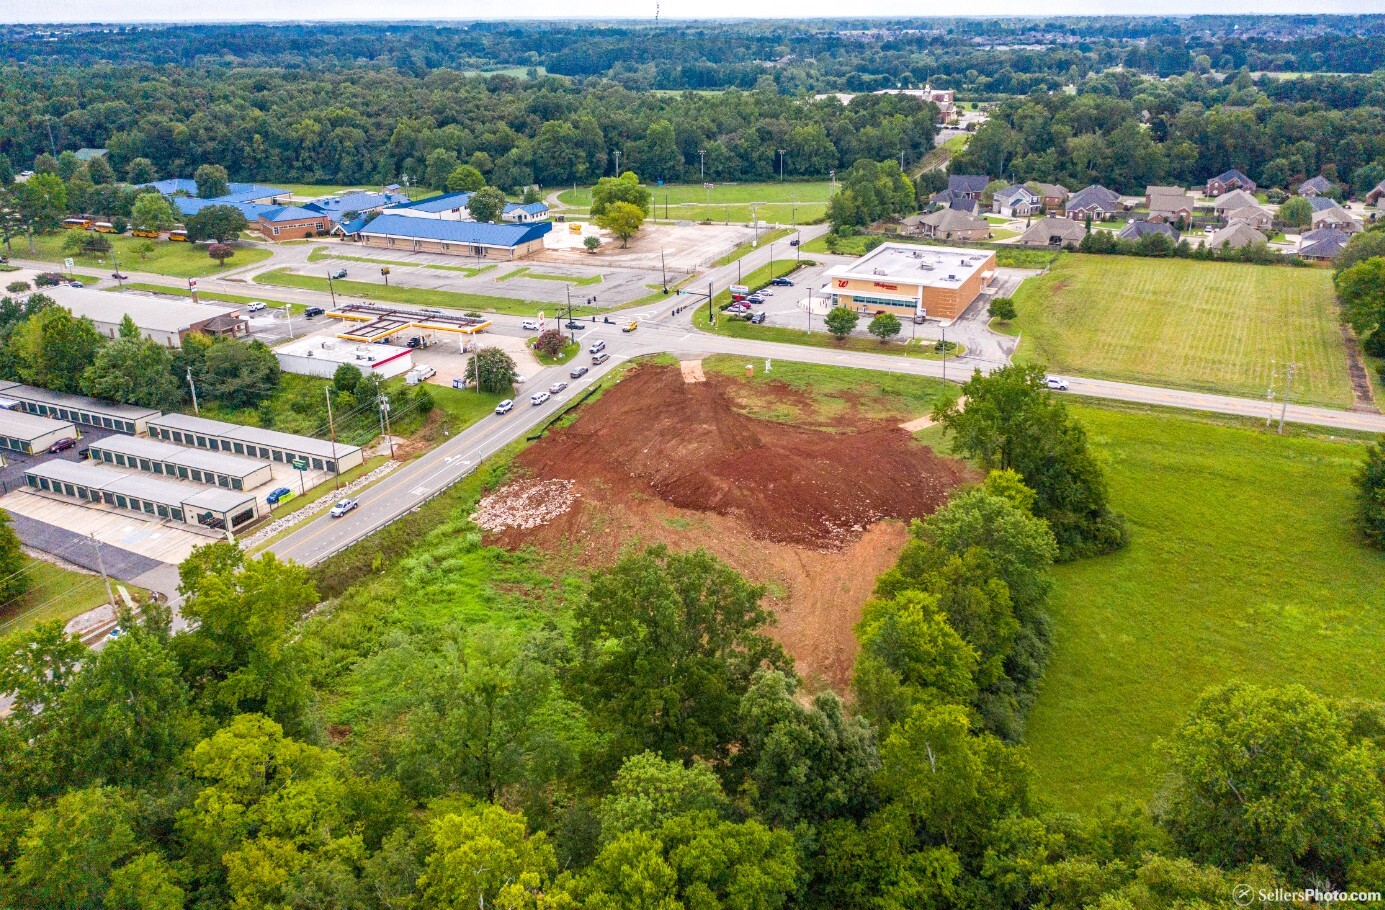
x: 341, y: 508
x: 578, y: 372
x: 505, y: 407
x: 1057, y: 383
x: 530, y: 325
x: 755, y: 298
x: 276, y: 494
x: 757, y: 318
x: 62, y: 445
x: 630, y: 327
x: 312, y: 311
x: 557, y: 387
x: 597, y: 347
x: 575, y: 325
x: 782, y: 283
x: 339, y: 274
x: 415, y: 342
x: 538, y: 398
x: 255, y: 307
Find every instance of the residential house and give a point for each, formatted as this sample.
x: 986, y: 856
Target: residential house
x: 1171, y: 208
x: 1376, y: 194
x: 1052, y: 195
x: 950, y: 224
x: 1321, y: 203
x: 1228, y: 181
x: 1314, y: 186
x: 1336, y: 217
x: 1095, y: 202
x: 1322, y: 244
x: 972, y: 186
x: 947, y: 199
x: 1137, y: 229
x: 1256, y: 216
x: 1152, y: 191
x: 1236, y: 236
x: 1053, y: 231
x: 1229, y: 202
x: 1016, y: 201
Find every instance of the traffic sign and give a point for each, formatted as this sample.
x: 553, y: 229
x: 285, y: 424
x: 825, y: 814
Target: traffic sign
x: 68, y: 264
x: 192, y: 284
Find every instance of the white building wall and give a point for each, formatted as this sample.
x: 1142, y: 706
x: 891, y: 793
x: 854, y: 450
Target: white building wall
x: 311, y: 363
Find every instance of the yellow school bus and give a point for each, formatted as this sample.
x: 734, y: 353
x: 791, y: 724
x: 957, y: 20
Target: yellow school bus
x: 76, y: 224
x: 103, y: 227
x: 178, y: 236
x: 153, y: 234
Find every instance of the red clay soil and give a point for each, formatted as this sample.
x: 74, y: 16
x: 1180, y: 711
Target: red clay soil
x: 685, y: 444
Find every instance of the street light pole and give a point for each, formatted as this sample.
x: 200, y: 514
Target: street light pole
x: 331, y: 287
x: 702, y: 164
x: 663, y: 274
x: 617, y: 163
x: 781, y: 165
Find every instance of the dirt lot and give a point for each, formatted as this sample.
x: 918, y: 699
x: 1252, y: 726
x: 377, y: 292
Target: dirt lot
x: 813, y: 514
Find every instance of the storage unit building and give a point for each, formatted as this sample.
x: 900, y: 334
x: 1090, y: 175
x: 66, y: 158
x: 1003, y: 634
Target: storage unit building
x: 150, y: 496
x: 79, y: 409
x: 266, y: 445
x: 231, y: 472
x: 20, y: 432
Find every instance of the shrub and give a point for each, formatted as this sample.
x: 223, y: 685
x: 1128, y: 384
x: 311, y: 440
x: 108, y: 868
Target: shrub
x: 49, y: 279
x: 17, y: 287
x: 1002, y: 308
x: 550, y: 344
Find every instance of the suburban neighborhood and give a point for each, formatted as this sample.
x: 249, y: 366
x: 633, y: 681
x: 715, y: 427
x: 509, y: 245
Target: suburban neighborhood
x: 745, y: 462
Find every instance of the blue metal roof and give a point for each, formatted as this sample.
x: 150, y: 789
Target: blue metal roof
x: 532, y: 208
x: 437, y: 204
x: 237, y: 192
x: 356, y: 202
x: 446, y: 231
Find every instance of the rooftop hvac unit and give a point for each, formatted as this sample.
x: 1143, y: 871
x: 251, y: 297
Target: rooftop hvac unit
x: 878, y: 272
x: 951, y: 277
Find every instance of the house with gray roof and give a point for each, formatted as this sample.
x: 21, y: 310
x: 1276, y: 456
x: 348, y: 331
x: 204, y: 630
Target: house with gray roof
x: 1137, y: 229
x: 1053, y: 232
x: 969, y: 185
x: 1376, y: 194
x: 1016, y: 201
x: 1095, y: 202
x: 1314, y: 186
x: 1153, y: 191
x: 1256, y: 216
x: 1236, y: 199
x: 1052, y: 195
x: 1236, y: 236
x: 1171, y: 208
x: 1336, y: 217
x: 950, y: 224
x: 1229, y: 180
x: 1322, y: 203
x: 1324, y: 243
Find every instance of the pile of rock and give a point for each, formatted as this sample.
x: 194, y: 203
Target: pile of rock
x: 525, y: 504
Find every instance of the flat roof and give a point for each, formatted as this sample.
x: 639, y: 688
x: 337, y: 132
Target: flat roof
x: 159, y: 314
x: 201, y: 459
x: 290, y: 442
x: 907, y: 263
x: 358, y: 354
x: 18, y: 425
x: 141, y: 486
x: 480, y: 233
x: 78, y: 402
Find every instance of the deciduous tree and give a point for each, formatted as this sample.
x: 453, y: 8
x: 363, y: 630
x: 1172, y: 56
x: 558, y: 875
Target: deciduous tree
x: 222, y: 223
x: 1370, y: 496
x: 487, y: 204
x: 841, y: 321
x: 212, y: 181
x: 884, y: 326
x: 493, y: 371
x: 622, y: 219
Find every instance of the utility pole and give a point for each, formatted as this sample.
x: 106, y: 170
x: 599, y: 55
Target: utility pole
x: 332, y: 426
x: 944, y: 327
x: 663, y: 273
x: 1288, y: 388
x: 711, y: 308
x: 572, y: 333
x: 192, y: 385
x: 288, y: 314
x: 48, y: 122
x: 754, y: 208
x: 781, y: 165
x: 702, y: 164
x: 101, y: 564
x: 617, y: 163
x: 385, y: 418
x: 331, y: 287
x: 771, y: 262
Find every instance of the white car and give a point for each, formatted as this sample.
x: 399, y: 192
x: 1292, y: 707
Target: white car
x: 556, y: 387
x: 255, y: 307
x: 1057, y: 383
x: 505, y: 407
x: 530, y: 325
x: 538, y: 398
x: 341, y: 508
x: 597, y: 347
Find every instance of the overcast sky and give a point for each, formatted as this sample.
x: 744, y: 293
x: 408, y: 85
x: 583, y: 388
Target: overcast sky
x: 278, y: 10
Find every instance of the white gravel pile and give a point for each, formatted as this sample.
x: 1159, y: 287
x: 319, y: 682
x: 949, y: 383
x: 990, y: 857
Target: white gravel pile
x: 523, y: 505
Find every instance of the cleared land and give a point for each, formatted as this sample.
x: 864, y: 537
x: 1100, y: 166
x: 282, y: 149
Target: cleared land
x: 54, y: 593
x: 1242, y: 565
x: 1209, y: 326
x: 777, y: 202
x: 177, y: 260
x: 801, y: 479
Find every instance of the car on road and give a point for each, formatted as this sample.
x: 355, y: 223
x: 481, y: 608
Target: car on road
x: 505, y: 407
x: 339, y: 274
x: 575, y: 325
x: 755, y: 298
x: 341, y: 508
x: 75, y: 284
x: 597, y: 347
x: 557, y: 387
x: 757, y: 319
x: 312, y: 311
x: 530, y: 325
x: 538, y: 398
x: 793, y: 242
x: 255, y: 307
x: 276, y: 494
x: 599, y: 359
x: 62, y: 445
x: 1057, y: 383
x: 782, y: 283
x: 578, y: 372
x: 630, y: 327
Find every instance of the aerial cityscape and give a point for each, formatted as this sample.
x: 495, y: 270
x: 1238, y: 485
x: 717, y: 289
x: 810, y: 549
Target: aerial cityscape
x: 851, y: 463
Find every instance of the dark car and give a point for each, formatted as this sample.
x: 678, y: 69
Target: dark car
x: 62, y: 445
x: 339, y: 274
x: 578, y: 372
x: 312, y: 311
x: 576, y: 326
x: 276, y: 495
x: 415, y: 342
x: 793, y: 243
x: 782, y: 283
x: 757, y: 318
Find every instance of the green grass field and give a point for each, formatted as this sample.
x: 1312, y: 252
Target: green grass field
x: 787, y: 202
x: 1242, y: 565
x: 416, y: 296
x: 745, y: 249
x: 205, y: 295
x: 177, y: 260
x: 1208, y: 326
x: 54, y: 593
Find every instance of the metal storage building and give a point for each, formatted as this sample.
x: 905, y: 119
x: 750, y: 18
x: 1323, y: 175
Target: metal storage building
x: 232, y: 472
x: 90, y: 412
x: 267, y: 445
x: 207, y: 506
x: 20, y: 432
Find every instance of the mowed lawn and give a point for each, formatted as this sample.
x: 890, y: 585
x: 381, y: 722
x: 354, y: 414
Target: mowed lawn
x: 1208, y: 326
x: 778, y: 202
x: 1242, y: 565
x: 177, y: 260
